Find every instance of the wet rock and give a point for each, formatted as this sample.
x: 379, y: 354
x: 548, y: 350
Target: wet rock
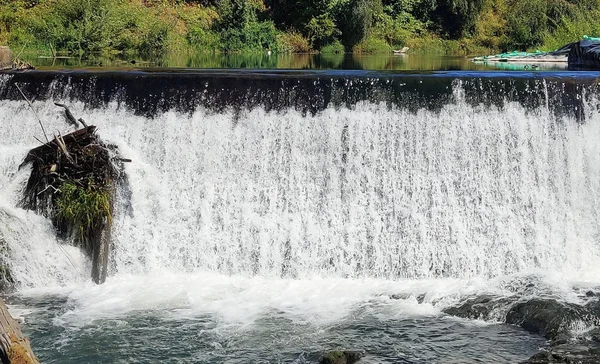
x: 6, y: 280
x: 479, y: 308
x: 567, y: 353
x: 544, y: 357
x: 547, y: 317
x: 560, y: 340
x: 593, y: 335
x: 340, y: 357
x: 405, y: 296
x: 400, y: 296
x: 593, y: 307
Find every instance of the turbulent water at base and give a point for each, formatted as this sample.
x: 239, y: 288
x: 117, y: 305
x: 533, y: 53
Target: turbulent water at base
x: 270, y: 235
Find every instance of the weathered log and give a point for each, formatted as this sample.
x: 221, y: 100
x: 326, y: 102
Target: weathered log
x: 14, y: 347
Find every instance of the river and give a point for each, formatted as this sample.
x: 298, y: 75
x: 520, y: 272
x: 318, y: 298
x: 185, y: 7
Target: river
x: 271, y: 215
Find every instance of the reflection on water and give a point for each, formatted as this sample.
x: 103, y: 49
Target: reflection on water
x: 286, y: 61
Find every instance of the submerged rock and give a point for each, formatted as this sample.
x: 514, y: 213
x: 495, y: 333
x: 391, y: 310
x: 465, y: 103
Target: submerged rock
x: 547, y: 317
x: 567, y: 353
x: 340, y: 357
x: 480, y: 308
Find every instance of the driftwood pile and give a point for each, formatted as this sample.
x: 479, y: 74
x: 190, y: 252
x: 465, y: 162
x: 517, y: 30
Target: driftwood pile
x: 72, y: 182
x: 77, y: 157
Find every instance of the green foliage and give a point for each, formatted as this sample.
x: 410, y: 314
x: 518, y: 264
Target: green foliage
x: 321, y: 30
x: 236, y: 14
x: 83, y: 209
x: 158, y: 27
x: 203, y: 39
x: 451, y: 18
x: 241, y: 31
x: 334, y: 48
x: 292, y: 42
x: 397, y: 31
x: 490, y: 27
x: 254, y: 37
x: 372, y: 45
x: 297, y: 14
x: 356, y: 19
x: 155, y: 40
x: 76, y: 25
x: 527, y: 23
x: 570, y: 29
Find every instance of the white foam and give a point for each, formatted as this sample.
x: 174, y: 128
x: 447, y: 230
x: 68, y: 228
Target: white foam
x: 317, y: 215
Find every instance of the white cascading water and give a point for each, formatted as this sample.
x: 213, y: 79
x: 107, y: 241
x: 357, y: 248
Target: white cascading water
x: 35, y: 256
x: 367, y: 193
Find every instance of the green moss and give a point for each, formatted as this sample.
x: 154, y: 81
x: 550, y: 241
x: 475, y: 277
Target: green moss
x: 83, y: 209
x: 333, y: 357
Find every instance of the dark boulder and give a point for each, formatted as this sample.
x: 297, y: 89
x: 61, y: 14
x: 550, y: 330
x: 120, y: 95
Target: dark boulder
x: 479, y: 308
x: 567, y: 353
x: 547, y: 317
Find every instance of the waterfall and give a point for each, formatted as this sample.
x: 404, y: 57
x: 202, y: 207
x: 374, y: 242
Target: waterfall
x: 34, y: 255
x: 367, y: 190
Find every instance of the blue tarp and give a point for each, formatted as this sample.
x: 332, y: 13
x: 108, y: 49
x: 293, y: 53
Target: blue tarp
x: 585, y: 54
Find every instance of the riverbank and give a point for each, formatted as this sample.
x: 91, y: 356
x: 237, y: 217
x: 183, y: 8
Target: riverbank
x: 77, y: 27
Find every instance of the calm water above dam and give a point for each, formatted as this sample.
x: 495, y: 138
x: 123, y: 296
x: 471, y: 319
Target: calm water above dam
x: 377, y: 62
x: 271, y: 215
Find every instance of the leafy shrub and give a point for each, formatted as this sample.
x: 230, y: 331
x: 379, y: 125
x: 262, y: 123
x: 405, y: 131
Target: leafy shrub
x: 292, y: 42
x: 254, y: 37
x: 569, y: 30
x: 398, y: 30
x: 334, y: 48
x: 203, y: 39
x: 321, y: 30
x: 155, y: 40
x: 372, y: 45
x: 527, y: 23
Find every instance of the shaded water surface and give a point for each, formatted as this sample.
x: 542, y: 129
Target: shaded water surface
x: 389, y: 62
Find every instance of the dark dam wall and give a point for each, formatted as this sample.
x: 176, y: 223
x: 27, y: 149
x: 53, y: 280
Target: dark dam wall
x: 154, y: 91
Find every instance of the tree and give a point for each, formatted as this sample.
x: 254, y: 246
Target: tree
x: 356, y: 18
